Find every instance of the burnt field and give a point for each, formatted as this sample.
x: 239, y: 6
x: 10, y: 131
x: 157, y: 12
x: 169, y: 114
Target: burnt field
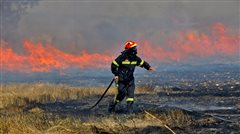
x: 184, y: 110
x: 186, y: 102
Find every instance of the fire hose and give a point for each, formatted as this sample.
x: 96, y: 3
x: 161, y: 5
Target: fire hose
x: 103, y: 94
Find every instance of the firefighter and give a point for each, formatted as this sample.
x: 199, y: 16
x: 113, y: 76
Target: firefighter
x: 123, y: 68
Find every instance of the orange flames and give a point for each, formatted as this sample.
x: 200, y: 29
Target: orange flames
x: 195, y: 44
x: 44, y: 58
x: 40, y: 58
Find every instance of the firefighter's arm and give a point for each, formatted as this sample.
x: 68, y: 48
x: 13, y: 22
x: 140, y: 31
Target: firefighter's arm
x: 114, y: 66
x: 144, y: 64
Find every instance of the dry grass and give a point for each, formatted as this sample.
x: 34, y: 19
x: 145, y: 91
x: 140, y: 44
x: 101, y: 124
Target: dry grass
x: 13, y: 97
x: 39, y: 123
x: 48, y: 123
x: 19, y: 95
x: 122, y: 124
x: 146, y: 89
x: 175, y: 118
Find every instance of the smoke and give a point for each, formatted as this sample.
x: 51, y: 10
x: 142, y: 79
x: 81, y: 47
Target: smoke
x: 179, y: 48
x: 11, y: 13
x: 58, y: 35
x: 97, y: 26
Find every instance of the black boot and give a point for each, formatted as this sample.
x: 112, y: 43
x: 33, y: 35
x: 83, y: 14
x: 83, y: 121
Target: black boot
x: 130, y: 107
x: 111, y: 106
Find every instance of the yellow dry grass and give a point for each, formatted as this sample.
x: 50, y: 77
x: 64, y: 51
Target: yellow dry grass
x: 41, y: 123
x: 49, y: 123
x: 14, y: 97
x: 18, y: 95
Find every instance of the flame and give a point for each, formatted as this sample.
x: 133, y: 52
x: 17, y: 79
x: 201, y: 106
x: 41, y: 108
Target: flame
x: 194, y: 44
x: 40, y: 57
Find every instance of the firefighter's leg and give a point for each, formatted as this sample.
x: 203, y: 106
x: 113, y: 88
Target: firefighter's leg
x: 130, y: 97
x: 119, y: 96
x: 121, y: 92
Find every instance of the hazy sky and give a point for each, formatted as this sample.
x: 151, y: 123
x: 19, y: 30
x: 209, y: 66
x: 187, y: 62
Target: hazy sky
x: 98, y: 25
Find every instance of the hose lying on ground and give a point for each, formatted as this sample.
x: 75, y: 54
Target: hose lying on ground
x: 103, y: 94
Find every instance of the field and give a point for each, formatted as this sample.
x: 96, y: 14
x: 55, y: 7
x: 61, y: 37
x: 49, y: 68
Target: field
x: 50, y: 108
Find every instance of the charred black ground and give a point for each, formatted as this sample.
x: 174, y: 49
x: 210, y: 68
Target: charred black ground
x: 212, y: 109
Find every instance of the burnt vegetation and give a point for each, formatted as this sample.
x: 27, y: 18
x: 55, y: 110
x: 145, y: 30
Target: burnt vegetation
x: 49, y: 108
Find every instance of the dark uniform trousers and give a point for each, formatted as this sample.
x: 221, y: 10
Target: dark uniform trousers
x: 125, y: 89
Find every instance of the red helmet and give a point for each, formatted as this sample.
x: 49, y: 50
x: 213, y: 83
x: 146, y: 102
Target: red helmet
x: 130, y: 44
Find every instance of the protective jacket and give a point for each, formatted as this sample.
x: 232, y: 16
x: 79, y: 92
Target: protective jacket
x: 124, y: 65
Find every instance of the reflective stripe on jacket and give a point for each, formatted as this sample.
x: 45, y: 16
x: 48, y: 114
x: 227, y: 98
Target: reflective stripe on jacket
x: 124, y: 67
